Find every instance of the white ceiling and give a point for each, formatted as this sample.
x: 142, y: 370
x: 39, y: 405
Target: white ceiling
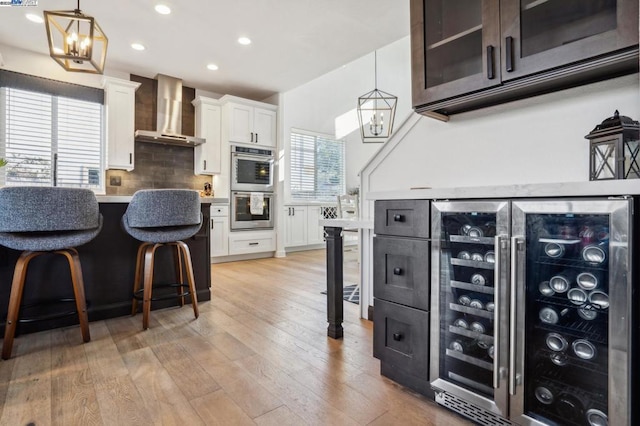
x: 294, y: 41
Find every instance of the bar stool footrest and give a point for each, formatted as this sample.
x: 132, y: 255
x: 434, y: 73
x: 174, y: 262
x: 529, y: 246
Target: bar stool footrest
x: 49, y: 317
x: 138, y: 295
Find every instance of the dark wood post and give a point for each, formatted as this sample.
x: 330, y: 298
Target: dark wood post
x: 335, y: 314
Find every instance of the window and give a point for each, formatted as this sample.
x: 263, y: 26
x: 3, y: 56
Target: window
x: 316, y: 166
x: 49, y: 139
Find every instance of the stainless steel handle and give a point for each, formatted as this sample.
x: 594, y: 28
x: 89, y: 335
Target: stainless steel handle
x: 515, y: 245
x: 497, y: 283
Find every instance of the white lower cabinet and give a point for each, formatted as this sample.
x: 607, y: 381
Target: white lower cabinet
x: 301, y: 225
x: 219, y: 231
x: 245, y: 242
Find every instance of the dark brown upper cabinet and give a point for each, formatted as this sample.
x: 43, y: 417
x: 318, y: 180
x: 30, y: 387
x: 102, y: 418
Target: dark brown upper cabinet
x: 469, y: 54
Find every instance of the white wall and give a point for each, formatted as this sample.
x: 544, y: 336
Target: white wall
x: 328, y: 103
x: 536, y: 140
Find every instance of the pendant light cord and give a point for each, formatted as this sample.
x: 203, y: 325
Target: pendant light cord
x: 375, y: 68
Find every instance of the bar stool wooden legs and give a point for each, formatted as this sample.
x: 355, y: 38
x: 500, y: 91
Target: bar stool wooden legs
x: 17, y: 289
x: 144, y: 277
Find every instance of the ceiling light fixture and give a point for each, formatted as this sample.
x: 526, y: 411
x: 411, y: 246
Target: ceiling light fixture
x: 34, y: 18
x: 212, y: 67
x: 137, y: 46
x: 163, y: 9
x: 244, y: 41
x: 76, y: 41
x: 372, y: 107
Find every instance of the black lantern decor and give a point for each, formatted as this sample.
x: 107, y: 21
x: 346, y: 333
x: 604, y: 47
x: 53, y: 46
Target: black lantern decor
x: 614, y: 149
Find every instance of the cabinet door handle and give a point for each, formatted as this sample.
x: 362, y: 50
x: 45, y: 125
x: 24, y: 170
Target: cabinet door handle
x: 509, y: 53
x: 251, y: 136
x: 398, y: 218
x: 256, y: 138
x: 397, y: 336
x: 130, y: 158
x: 205, y: 164
x: 211, y: 223
x: 397, y: 271
x: 490, y: 72
x: 253, y: 244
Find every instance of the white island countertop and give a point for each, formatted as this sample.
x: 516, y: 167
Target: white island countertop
x: 127, y: 199
x: 351, y: 223
x: 565, y: 189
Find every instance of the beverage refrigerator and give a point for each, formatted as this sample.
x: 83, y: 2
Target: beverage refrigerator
x: 532, y: 311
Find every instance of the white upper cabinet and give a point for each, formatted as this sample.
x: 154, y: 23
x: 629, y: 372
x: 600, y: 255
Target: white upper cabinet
x: 207, y: 157
x: 264, y: 125
x: 120, y: 119
x: 250, y: 122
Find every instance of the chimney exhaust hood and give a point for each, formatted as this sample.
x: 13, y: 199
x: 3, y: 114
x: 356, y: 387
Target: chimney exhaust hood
x: 169, y: 116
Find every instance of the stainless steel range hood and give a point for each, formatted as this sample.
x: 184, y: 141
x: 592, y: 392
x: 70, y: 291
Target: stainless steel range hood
x: 169, y: 117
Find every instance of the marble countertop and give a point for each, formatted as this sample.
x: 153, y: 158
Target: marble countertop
x: 354, y: 223
x: 564, y: 189
x: 127, y: 198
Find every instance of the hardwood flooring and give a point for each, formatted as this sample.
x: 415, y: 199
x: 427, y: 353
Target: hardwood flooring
x: 258, y: 355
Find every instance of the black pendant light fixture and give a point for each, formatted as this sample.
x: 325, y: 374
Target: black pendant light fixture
x: 76, y: 41
x: 376, y: 112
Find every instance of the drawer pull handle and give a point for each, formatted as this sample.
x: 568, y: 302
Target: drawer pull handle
x: 397, y: 271
x: 397, y: 337
x: 398, y: 218
x: 253, y: 244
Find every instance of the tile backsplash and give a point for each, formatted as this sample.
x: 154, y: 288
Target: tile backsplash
x: 157, y: 166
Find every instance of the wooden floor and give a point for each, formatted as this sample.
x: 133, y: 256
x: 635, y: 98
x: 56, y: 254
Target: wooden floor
x: 258, y: 354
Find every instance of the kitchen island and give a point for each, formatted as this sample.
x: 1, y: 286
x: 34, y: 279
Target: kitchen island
x: 108, y: 268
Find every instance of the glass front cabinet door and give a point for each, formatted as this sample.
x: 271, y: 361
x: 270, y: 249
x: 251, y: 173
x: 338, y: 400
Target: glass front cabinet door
x: 571, y: 305
x: 455, y: 47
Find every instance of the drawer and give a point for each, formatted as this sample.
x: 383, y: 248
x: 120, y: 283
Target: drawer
x: 218, y: 211
x: 401, y: 271
x: 401, y: 337
x: 403, y: 218
x: 251, y: 242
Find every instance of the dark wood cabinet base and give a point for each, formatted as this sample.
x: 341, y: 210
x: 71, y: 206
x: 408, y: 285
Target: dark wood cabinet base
x: 108, y: 268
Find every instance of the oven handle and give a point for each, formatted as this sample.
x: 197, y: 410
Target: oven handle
x: 268, y: 158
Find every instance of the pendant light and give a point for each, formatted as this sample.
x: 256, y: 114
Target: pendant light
x: 76, y: 41
x: 376, y: 112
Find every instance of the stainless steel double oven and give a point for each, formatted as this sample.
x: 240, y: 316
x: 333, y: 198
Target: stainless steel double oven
x: 252, y: 197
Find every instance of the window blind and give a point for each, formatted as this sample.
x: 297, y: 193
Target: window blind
x: 50, y: 140
x: 316, y: 167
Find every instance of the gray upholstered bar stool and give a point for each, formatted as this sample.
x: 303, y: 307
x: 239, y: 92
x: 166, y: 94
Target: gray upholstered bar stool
x: 160, y: 217
x: 38, y: 220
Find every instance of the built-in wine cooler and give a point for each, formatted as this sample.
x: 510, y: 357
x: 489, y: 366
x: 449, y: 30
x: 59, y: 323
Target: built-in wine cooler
x: 531, y: 311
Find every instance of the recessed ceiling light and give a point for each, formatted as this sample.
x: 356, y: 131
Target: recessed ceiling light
x: 212, y: 67
x: 137, y: 46
x: 244, y: 40
x: 163, y: 9
x: 35, y: 18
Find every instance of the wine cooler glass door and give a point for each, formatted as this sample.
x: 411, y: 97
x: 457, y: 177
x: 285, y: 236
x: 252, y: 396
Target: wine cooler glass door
x: 468, y: 251
x: 571, y: 283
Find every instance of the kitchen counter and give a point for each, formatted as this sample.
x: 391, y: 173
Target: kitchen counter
x: 127, y: 198
x: 565, y: 189
x: 108, y: 268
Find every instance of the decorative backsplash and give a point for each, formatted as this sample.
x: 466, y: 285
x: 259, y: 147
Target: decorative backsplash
x: 157, y: 166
